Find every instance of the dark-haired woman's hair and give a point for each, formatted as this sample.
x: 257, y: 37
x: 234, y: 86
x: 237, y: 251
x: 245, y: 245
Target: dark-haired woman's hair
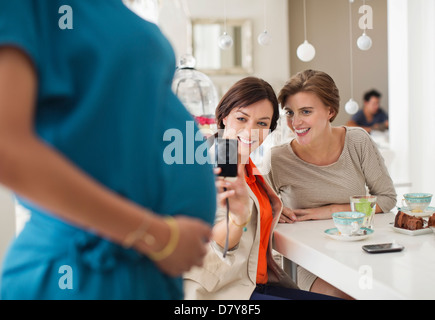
x: 243, y: 93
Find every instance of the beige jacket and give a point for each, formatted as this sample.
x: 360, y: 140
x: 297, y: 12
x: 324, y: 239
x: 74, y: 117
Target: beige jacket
x: 234, y: 277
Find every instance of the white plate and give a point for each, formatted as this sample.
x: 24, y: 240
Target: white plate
x: 335, y: 234
x: 412, y: 232
x: 426, y: 213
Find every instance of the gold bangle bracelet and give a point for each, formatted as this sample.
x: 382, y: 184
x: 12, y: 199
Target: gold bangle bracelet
x: 240, y: 225
x: 139, y: 233
x: 172, y: 243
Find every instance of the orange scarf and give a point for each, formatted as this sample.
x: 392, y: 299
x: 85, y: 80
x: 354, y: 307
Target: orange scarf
x: 265, y: 219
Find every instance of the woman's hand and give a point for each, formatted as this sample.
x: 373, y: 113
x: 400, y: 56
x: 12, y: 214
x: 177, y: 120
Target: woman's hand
x: 292, y: 215
x: 238, y: 198
x: 191, y: 248
x: 235, y: 190
x: 287, y: 216
x: 319, y: 213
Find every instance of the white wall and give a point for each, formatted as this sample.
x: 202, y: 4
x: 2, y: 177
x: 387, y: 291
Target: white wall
x: 411, y: 26
x: 422, y: 96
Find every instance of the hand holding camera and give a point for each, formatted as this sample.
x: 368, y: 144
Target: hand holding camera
x: 232, y: 194
x: 231, y: 179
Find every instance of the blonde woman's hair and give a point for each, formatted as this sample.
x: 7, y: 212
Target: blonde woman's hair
x: 317, y: 82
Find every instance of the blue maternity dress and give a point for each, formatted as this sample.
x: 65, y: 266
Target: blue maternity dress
x: 104, y: 101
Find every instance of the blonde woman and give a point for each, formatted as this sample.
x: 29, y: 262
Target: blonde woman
x: 323, y: 165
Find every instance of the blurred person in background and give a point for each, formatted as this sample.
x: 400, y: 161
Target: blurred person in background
x: 371, y: 116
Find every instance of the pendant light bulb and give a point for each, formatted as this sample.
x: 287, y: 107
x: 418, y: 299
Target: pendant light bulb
x: 225, y: 41
x: 364, y: 42
x: 351, y: 106
x: 306, y: 51
x: 264, y: 38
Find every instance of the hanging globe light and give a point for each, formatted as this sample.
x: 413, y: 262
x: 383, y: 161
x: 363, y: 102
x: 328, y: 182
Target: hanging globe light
x: 306, y: 52
x: 264, y: 38
x: 225, y: 41
x: 351, y: 106
x: 364, y: 42
x: 197, y: 93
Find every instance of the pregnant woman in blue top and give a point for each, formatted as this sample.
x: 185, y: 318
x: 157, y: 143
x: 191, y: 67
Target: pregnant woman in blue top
x: 85, y: 99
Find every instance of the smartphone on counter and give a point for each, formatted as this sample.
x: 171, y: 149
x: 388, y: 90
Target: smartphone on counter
x: 226, y: 155
x: 383, y: 247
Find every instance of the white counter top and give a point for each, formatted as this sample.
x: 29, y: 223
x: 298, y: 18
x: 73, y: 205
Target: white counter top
x: 409, y: 274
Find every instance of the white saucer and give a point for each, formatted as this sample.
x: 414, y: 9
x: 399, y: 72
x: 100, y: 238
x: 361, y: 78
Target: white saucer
x: 335, y: 234
x: 426, y: 213
x: 412, y: 232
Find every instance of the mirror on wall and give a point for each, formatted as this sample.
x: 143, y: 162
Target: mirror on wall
x: 210, y: 58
